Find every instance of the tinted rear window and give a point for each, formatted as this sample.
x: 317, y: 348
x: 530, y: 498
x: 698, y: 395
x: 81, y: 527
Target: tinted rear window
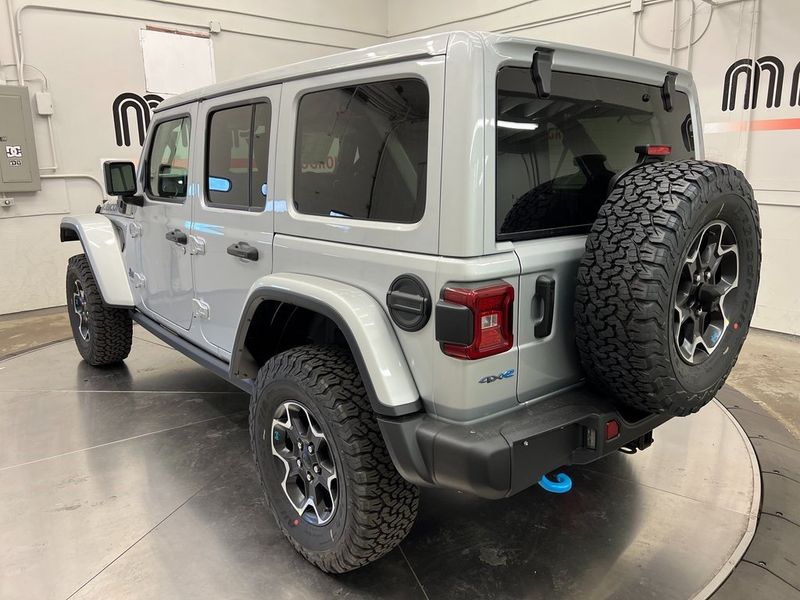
x: 237, y: 157
x: 361, y: 152
x: 556, y: 156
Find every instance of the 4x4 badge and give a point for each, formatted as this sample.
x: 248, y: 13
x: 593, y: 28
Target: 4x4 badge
x: 492, y: 378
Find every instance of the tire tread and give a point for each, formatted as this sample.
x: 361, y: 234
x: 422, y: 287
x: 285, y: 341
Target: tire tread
x: 112, y: 328
x: 383, y: 505
x: 624, y: 284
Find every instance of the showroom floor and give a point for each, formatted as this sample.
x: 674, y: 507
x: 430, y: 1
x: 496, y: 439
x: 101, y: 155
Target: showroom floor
x: 768, y: 368
x: 27, y: 330
x: 136, y: 481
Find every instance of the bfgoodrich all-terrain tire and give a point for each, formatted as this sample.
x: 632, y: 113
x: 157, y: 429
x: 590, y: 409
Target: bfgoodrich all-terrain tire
x: 102, y: 333
x: 322, y: 462
x: 667, y: 285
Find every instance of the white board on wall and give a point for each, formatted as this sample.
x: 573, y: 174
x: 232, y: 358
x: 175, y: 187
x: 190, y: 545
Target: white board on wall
x: 176, y: 62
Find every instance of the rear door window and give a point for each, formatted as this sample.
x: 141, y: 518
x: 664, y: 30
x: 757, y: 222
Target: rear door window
x: 361, y: 152
x: 237, y: 155
x: 556, y: 156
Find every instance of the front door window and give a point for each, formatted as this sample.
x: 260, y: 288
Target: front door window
x: 168, y: 164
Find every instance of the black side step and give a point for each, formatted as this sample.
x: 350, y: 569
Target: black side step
x: 209, y: 361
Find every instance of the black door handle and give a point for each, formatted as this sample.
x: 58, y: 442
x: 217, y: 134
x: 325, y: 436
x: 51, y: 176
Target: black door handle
x: 177, y: 236
x: 546, y: 294
x: 243, y: 250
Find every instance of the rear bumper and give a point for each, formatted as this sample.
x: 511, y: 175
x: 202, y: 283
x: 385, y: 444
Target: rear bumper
x: 506, y: 453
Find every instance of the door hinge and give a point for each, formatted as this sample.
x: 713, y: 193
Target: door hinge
x: 197, y: 245
x: 201, y: 310
x: 134, y: 230
x: 137, y: 278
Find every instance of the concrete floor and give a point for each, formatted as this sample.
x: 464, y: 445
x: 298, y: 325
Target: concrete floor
x: 136, y: 481
x: 24, y: 331
x: 768, y: 369
x: 768, y: 372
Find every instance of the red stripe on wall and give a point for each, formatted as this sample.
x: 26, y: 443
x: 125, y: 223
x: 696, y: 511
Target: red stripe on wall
x: 759, y: 125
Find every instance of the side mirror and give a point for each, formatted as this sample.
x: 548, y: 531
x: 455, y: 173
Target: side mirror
x: 120, y: 179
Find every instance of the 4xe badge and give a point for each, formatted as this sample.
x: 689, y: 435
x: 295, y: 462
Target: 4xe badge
x: 492, y: 378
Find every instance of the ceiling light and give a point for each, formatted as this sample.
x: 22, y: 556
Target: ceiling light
x: 517, y: 125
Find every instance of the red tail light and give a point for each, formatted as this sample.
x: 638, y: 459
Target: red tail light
x: 612, y: 429
x: 491, y: 309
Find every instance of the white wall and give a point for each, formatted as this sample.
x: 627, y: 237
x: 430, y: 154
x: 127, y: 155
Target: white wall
x: 90, y: 58
x: 740, y: 29
x: 89, y: 52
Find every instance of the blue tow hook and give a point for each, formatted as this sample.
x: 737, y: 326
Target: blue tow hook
x: 561, y: 485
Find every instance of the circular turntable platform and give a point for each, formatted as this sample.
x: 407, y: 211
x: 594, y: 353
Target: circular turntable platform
x: 137, y: 481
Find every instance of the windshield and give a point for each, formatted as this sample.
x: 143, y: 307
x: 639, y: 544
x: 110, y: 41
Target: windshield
x: 556, y: 156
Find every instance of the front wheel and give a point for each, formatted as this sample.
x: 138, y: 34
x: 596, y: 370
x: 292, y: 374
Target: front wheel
x: 103, y: 334
x: 322, y: 462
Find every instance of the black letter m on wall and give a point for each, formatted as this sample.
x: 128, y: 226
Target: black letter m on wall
x: 141, y: 107
x: 752, y: 71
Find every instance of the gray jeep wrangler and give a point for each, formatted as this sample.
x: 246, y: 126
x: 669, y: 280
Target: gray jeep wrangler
x: 463, y: 261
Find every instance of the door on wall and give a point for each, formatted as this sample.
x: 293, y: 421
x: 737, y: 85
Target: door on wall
x: 163, y: 223
x: 232, y: 218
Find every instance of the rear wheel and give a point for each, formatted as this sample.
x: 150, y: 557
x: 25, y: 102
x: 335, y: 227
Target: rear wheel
x: 103, y: 334
x: 667, y: 285
x: 322, y: 462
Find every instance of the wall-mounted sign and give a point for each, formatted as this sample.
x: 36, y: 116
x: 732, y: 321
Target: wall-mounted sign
x: 129, y: 108
x: 752, y: 71
x: 176, y: 61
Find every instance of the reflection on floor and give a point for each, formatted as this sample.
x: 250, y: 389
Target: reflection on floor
x: 137, y: 481
x: 768, y: 371
x: 768, y: 368
x: 24, y: 331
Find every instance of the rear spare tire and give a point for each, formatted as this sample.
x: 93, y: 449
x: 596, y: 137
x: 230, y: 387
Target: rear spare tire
x: 667, y: 285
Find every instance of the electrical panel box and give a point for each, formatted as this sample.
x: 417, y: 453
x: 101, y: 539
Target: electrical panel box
x: 19, y: 168
x: 44, y: 103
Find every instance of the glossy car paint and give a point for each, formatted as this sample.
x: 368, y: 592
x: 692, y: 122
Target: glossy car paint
x: 453, y: 243
x: 222, y: 281
x: 102, y: 247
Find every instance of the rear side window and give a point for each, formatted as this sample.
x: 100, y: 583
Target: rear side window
x: 361, y: 152
x: 237, y: 157
x: 168, y: 162
x: 556, y: 156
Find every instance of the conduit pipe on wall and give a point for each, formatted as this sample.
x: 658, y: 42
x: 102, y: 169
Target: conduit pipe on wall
x: 54, y: 166
x: 58, y: 212
x: 79, y: 176
x: 14, y: 47
x: 536, y: 23
x: 572, y: 16
x: 691, y: 36
x: 245, y: 13
x: 472, y: 18
x: 692, y: 40
x: 716, y: 4
x: 753, y: 51
x: 15, y: 25
x: 673, y: 31
x: 83, y: 11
